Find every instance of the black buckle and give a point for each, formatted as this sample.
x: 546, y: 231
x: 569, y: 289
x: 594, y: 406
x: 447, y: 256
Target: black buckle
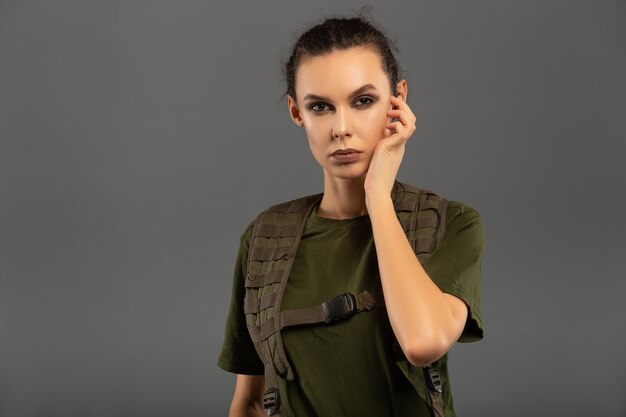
x: 433, y: 379
x: 271, y: 401
x: 339, y: 307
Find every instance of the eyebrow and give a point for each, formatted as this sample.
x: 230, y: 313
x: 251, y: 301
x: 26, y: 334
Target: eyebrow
x: 353, y: 94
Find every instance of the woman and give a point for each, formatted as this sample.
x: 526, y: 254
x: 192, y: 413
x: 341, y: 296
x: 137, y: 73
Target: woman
x: 343, y: 89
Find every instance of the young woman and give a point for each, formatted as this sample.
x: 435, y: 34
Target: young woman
x: 344, y: 90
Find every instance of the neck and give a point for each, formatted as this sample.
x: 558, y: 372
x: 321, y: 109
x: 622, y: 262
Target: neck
x: 343, y: 198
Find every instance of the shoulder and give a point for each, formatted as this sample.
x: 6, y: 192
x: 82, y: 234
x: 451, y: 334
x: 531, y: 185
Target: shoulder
x: 245, y: 236
x: 453, y: 208
x: 459, y: 215
x: 464, y: 226
x: 460, y: 212
x: 284, y: 206
x: 288, y: 206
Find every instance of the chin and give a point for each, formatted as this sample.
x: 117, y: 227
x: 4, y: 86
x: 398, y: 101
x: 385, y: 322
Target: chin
x: 347, y: 174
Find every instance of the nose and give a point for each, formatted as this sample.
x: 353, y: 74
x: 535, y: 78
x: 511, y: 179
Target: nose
x: 341, y: 127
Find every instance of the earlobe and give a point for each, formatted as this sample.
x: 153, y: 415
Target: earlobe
x: 294, y: 112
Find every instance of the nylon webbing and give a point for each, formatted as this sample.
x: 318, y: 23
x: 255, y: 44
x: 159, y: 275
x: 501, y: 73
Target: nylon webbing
x: 272, y: 230
x: 260, y: 253
x: 271, y: 397
x: 254, y: 305
x: 428, y: 204
x: 406, y: 206
x: 442, y: 221
x: 259, y: 280
x: 262, y: 332
x: 413, y: 223
x: 436, y: 403
x: 309, y: 315
x: 434, y: 387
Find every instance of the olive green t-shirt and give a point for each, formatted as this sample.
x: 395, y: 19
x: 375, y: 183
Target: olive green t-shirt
x: 347, y: 368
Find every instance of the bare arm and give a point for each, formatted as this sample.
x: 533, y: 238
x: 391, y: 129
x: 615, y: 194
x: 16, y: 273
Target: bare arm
x: 426, y: 321
x: 247, y: 399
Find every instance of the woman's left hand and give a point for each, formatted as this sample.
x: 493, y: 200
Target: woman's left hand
x: 388, y: 153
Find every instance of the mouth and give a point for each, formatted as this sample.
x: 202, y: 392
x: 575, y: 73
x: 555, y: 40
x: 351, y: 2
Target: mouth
x: 346, y: 155
x: 346, y: 151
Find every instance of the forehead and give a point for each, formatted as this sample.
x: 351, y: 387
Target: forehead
x: 340, y: 72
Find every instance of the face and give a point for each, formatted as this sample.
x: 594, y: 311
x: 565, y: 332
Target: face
x: 343, y: 99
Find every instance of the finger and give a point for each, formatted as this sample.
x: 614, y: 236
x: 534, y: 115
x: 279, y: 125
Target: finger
x: 398, y: 101
x: 408, y: 125
x: 398, y: 135
x: 401, y: 119
x: 402, y: 132
x: 395, y: 125
x: 401, y: 115
x: 402, y: 105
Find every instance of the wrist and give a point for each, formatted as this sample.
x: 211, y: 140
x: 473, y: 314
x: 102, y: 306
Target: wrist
x: 377, y: 199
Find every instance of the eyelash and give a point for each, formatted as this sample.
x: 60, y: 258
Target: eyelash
x: 371, y: 100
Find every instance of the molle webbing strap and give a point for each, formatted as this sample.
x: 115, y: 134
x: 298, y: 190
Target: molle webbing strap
x: 259, y: 280
x: 433, y: 382
x: 269, y: 254
x: 255, y: 305
x: 271, y: 230
x: 365, y: 301
x: 436, y: 401
x: 421, y: 213
x: 442, y: 220
x: 273, y: 245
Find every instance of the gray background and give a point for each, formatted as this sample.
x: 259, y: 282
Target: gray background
x: 138, y: 139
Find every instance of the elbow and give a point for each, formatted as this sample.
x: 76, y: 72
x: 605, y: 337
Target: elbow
x: 424, y: 353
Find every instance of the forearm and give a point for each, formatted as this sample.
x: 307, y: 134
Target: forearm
x: 246, y: 410
x: 418, y: 311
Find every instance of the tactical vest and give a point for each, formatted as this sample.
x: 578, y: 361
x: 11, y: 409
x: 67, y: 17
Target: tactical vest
x: 273, y: 244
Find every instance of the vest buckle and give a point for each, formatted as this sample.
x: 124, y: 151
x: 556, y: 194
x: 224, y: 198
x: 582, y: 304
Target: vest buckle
x: 433, y: 379
x: 271, y: 401
x: 339, y: 307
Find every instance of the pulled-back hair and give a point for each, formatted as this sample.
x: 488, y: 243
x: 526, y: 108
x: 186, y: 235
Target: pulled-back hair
x: 338, y: 33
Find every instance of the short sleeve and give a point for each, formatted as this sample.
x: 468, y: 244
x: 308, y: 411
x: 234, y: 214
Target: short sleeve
x: 238, y: 354
x: 456, y: 265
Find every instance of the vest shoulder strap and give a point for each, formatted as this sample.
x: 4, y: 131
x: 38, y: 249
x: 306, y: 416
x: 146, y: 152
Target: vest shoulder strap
x: 273, y: 243
x: 421, y: 213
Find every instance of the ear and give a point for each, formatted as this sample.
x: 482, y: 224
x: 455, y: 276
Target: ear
x: 402, y: 89
x: 294, y: 112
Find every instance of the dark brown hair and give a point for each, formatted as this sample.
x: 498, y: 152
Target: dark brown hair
x: 338, y: 33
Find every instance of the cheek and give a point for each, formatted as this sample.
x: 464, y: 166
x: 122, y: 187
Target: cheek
x: 374, y: 124
x: 315, y: 125
x: 316, y: 148
x: 377, y: 118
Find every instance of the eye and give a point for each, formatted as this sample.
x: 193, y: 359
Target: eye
x: 315, y: 107
x: 368, y: 100
x: 312, y: 107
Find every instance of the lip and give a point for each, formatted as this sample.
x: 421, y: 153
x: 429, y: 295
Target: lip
x: 345, y: 151
x: 346, y: 155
